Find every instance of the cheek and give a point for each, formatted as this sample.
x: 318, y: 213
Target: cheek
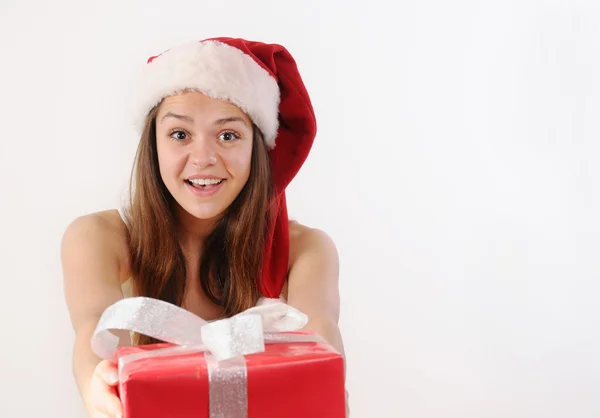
x: 238, y: 163
x: 169, y: 160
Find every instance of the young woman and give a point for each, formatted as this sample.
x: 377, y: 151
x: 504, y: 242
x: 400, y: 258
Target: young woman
x: 225, y: 125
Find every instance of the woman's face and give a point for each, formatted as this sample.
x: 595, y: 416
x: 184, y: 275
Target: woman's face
x: 204, y: 152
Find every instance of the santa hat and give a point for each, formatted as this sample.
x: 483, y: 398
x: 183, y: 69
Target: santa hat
x: 262, y: 80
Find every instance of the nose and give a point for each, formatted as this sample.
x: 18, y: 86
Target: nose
x: 202, y: 153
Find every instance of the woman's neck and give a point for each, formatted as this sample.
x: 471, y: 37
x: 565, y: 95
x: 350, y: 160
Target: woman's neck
x: 193, y: 231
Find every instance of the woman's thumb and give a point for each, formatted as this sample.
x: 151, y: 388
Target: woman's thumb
x: 107, y: 372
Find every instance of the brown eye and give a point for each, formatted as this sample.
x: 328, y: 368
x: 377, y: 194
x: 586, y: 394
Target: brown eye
x: 229, y: 136
x: 178, y: 135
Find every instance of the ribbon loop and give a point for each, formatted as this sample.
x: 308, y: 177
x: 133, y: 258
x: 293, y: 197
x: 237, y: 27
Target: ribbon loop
x: 226, y: 338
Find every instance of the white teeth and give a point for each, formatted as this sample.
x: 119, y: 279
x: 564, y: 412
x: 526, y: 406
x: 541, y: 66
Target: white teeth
x: 204, y: 182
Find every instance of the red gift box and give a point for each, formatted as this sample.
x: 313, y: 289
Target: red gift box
x: 292, y: 380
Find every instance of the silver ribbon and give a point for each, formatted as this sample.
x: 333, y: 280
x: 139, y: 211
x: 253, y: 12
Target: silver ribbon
x: 228, y: 383
x: 225, y: 341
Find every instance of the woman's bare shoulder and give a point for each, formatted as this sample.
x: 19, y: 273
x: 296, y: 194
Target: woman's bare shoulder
x: 304, y: 237
x: 107, y: 229
x: 296, y: 229
x: 107, y: 222
x: 312, y: 282
x: 92, y: 256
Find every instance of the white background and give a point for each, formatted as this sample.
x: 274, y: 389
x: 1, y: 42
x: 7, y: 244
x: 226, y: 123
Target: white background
x: 455, y: 166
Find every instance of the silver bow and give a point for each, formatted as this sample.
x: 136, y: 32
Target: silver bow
x: 242, y: 334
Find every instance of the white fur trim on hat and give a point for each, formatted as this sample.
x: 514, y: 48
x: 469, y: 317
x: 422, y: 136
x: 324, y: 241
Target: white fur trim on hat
x: 218, y: 70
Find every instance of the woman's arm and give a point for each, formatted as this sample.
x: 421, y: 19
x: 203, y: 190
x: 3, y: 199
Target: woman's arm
x: 90, y: 254
x: 313, y: 283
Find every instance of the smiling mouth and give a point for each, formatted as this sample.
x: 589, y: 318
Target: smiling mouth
x: 205, y: 184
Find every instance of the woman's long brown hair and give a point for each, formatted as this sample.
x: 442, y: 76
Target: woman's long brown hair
x: 232, y: 258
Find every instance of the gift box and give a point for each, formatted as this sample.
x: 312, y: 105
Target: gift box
x: 253, y: 365
x: 286, y: 380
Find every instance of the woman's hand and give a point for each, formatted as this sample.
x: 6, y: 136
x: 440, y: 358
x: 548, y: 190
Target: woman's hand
x: 102, y: 400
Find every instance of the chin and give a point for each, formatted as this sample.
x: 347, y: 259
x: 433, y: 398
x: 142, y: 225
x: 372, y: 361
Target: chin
x: 205, y: 214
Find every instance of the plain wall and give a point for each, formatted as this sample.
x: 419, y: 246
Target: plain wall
x: 455, y: 167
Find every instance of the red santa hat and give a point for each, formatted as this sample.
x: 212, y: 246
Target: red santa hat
x: 263, y: 80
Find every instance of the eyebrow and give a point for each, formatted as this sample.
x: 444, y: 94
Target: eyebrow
x: 189, y: 119
x: 176, y: 116
x: 223, y: 121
